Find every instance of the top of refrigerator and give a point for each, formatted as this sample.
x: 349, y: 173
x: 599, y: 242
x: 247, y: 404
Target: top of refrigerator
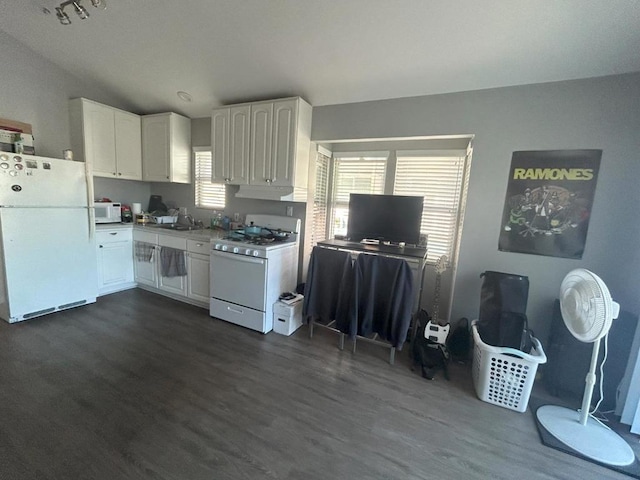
x: 31, y: 181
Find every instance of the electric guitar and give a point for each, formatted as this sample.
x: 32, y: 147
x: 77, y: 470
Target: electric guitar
x: 441, y: 267
x: 435, y: 331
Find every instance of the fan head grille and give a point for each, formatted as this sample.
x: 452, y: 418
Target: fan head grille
x: 586, y: 305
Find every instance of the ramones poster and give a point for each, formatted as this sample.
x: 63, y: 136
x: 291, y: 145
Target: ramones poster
x: 549, y: 199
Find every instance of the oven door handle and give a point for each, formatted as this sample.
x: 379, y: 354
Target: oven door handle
x: 238, y: 257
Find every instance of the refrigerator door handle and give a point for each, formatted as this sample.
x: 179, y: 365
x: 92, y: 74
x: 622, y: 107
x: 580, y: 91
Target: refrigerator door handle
x: 92, y: 223
x: 88, y: 178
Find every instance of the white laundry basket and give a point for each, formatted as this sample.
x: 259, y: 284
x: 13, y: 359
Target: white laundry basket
x: 504, y: 376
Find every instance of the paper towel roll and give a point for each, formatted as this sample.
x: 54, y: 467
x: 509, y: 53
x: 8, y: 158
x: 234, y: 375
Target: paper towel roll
x: 136, y: 208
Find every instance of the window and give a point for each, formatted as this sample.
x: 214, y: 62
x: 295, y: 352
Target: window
x: 207, y: 194
x: 441, y: 180
x: 320, y: 206
x: 353, y: 173
x: 440, y: 176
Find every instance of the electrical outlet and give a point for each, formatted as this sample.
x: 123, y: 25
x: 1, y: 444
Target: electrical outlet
x: 289, y: 211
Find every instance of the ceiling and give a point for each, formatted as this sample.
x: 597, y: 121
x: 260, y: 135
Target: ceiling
x: 327, y: 51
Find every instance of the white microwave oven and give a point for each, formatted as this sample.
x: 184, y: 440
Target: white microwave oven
x: 108, y: 212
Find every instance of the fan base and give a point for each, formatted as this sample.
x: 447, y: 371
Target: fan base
x: 592, y: 440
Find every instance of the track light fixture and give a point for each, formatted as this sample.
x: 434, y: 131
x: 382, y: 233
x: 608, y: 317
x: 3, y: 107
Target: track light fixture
x: 79, y: 9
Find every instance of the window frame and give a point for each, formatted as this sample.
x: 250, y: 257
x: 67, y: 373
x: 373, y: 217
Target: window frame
x: 390, y: 179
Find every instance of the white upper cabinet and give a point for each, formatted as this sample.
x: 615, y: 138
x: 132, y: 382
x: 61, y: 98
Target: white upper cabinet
x: 230, y: 144
x: 261, y: 140
x: 166, y: 148
x: 262, y: 143
x: 220, y: 145
x: 107, y: 138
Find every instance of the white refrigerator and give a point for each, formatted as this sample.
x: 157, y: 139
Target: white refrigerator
x: 47, y: 244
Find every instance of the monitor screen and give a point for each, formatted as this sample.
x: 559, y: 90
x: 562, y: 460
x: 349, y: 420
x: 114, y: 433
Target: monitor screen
x: 388, y: 218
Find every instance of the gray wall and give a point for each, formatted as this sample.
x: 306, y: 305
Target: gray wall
x: 36, y: 91
x: 602, y: 113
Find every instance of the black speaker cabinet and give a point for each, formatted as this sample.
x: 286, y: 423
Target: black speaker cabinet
x: 568, y: 359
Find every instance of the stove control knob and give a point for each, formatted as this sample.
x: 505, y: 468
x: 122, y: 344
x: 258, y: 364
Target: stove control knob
x: 225, y: 248
x: 217, y: 246
x: 236, y: 250
x: 247, y: 251
x: 256, y: 253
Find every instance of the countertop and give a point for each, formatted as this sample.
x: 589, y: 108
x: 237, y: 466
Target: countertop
x: 205, y: 234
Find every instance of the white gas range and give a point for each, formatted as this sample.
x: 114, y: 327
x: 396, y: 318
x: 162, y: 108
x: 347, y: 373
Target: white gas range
x: 249, y: 272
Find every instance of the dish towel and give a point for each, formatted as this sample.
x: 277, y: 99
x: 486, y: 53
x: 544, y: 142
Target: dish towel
x: 144, y: 252
x: 172, y: 262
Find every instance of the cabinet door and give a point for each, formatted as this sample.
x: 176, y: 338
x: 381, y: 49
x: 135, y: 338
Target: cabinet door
x: 261, y: 138
x: 239, y: 139
x: 220, y: 145
x: 198, y: 277
x: 128, y: 146
x: 180, y: 157
x: 155, y: 148
x: 115, y: 264
x: 100, y: 139
x: 284, y: 138
x: 146, y: 273
x: 175, y: 285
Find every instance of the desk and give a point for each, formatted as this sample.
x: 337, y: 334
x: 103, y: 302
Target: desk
x: 416, y: 257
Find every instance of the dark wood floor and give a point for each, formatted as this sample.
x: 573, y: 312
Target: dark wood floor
x: 139, y: 386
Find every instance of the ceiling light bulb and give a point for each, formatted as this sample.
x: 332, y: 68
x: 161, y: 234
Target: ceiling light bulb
x: 62, y: 16
x: 80, y: 10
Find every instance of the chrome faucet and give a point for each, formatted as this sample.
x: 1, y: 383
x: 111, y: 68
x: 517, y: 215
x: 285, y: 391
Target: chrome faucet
x: 186, y: 220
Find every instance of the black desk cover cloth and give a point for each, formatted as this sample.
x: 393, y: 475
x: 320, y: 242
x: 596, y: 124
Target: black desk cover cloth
x: 383, y: 294
x: 374, y: 295
x: 329, y: 284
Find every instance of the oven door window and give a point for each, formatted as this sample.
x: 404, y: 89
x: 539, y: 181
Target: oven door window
x: 239, y: 279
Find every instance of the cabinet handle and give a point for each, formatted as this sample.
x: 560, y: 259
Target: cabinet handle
x: 114, y: 174
x: 119, y: 174
x: 268, y: 180
x: 227, y: 180
x: 198, y: 244
x: 167, y: 177
x: 113, y: 233
x: 100, y: 246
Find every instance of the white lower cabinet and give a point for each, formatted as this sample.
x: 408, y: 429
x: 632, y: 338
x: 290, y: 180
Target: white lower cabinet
x: 192, y: 287
x: 198, y: 277
x: 146, y: 271
x: 115, y: 260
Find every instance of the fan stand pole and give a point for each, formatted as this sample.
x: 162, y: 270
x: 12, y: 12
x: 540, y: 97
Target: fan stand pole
x: 582, y: 433
x: 590, y: 382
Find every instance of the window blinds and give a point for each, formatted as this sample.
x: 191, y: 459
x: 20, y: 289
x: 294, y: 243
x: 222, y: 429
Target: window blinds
x: 354, y: 173
x: 320, y: 205
x: 440, y: 179
x: 207, y: 194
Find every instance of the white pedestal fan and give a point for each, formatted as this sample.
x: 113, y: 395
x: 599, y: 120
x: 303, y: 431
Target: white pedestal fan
x: 588, y: 311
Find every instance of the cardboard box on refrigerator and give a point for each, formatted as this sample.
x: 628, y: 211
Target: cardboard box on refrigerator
x: 8, y: 139
x: 6, y: 124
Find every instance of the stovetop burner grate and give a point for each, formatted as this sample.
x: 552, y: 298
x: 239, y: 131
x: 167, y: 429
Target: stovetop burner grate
x: 254, y: 239
x: 251, y: 240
